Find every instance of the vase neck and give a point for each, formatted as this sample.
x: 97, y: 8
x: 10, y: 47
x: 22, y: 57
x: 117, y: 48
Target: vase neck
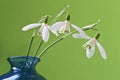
x: 23, y: 62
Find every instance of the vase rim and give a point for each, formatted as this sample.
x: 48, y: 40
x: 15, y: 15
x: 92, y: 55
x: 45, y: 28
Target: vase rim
x: 13, y: 57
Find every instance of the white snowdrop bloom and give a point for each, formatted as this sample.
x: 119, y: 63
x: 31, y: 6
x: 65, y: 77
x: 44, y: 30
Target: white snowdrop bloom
x: 43, y: 31
x: 90, y: 48
x: 61, y: 27
x: 90, y: 45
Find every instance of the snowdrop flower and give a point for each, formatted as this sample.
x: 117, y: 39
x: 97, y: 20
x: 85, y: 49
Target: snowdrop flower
x: 90, y: 48
x: 90, y: 45
x: 62, y: 27
x: 43, y: 31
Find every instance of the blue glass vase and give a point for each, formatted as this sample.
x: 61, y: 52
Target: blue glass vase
x: 22, y: 68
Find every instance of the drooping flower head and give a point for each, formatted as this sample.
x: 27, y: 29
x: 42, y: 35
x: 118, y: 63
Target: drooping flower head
x: 43, y: 31
x: 61, y: 27
x: 90, y: 45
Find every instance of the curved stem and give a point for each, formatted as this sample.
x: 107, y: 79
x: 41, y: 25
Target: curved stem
x: 52, y: 44
x: 49, y: 47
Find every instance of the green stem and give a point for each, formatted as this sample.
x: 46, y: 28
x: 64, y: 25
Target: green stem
x: 52, y: 44
x: 41, y: 42
x: 49, y: 47
x: 29, y: 47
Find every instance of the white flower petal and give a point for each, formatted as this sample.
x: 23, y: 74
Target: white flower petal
x: 53, y: 31
x: 91, y: 42
x: 31, y: 26
x: 56, y: 26
x: 82, y: 33
x: 80, y: 36
x: 76, y: 35
x: 66, y: 27
x: 62, y: 29
x: 45, y: 34
x: 102, y: 51
x: 90, y: 51
x: 90, y: 47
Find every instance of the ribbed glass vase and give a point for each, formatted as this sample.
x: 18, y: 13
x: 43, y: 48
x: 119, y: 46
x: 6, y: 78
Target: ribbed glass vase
x: 22, y: 68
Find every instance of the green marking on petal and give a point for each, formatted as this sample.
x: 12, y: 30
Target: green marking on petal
x: 39, y: 34
x: 89, y: 46
x: 66, y: 31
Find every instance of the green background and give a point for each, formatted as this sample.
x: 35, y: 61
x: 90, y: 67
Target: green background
x: 66, y: 60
